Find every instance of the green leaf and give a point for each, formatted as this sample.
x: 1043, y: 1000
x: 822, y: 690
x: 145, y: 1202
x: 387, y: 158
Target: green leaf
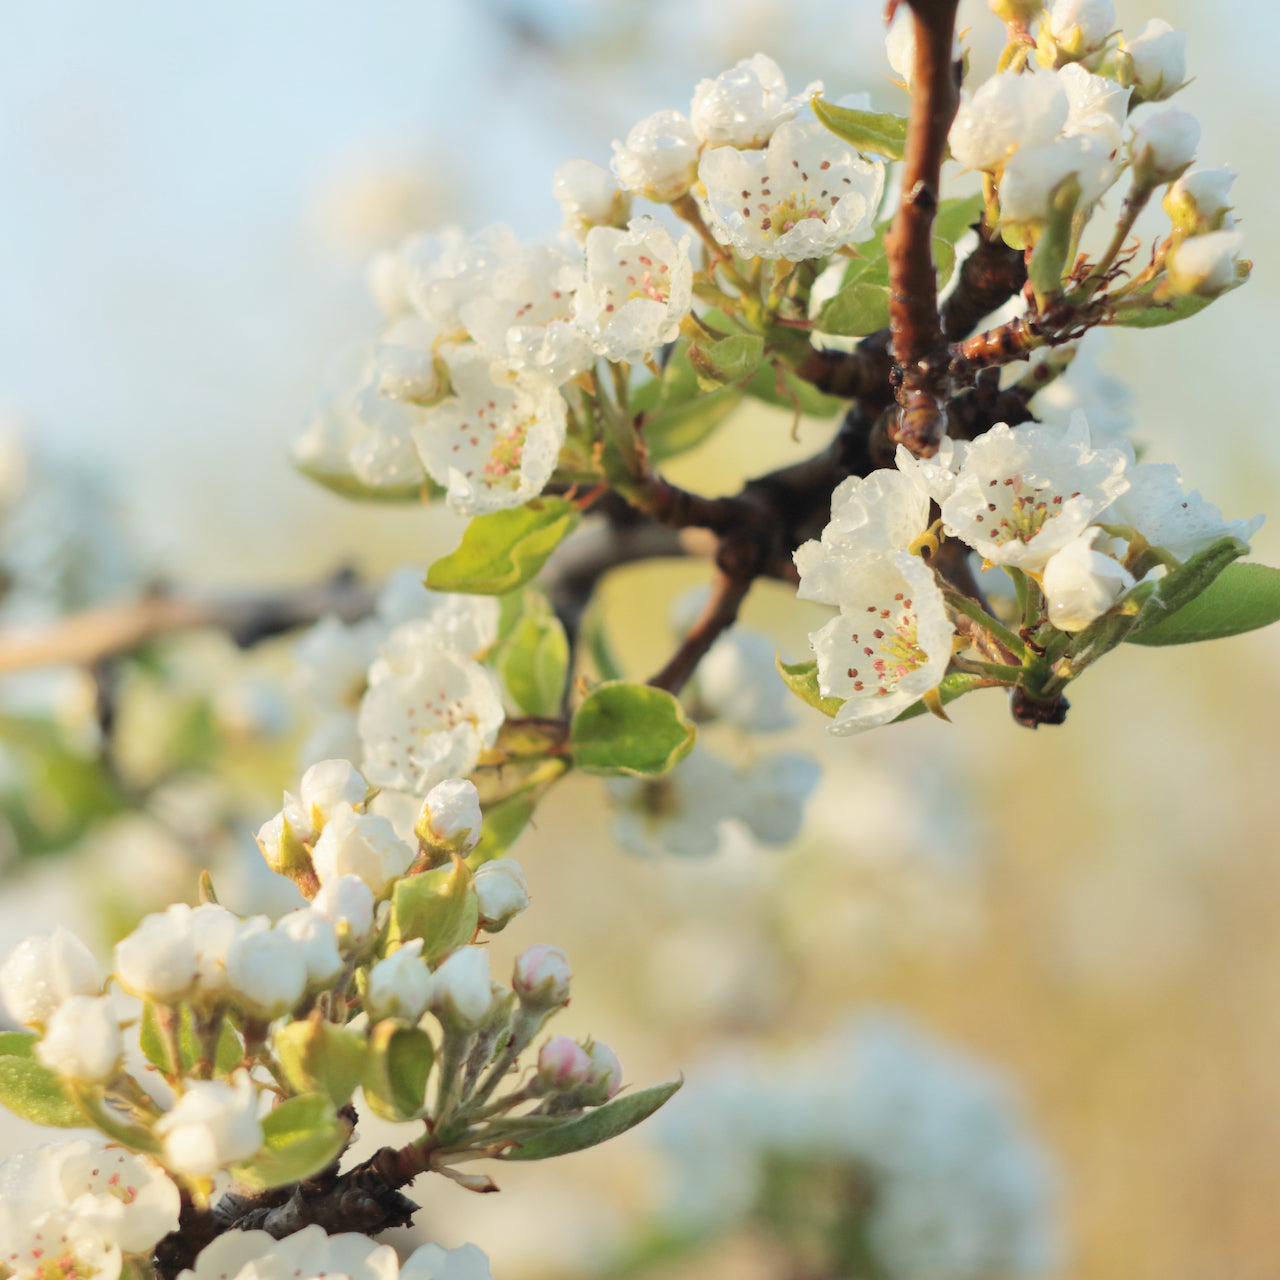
x: 439, y: 907
x: 731, y: 360
x: 1180, y: 586
x: 676, y: 415
x: 300, y: 1137
x: 18, y: 1044
x: 598, y: 1125
x: 951, y: 687
x: 794, y: 393
x: 802, y: 679
x: 1146, y: 313
x: 319, y: 1057
x: 503, y: 823
x: 505, y: 549
x: 623, y: 728
x: 396, y: 1070
x: 955, y: 217
x: 858, y: 309
x: 1243, y: 597
x: 534, y: 660
x: 875, y: 132
x: 346, y: 485
x: 156, y: 1051
x: 35, y: 1093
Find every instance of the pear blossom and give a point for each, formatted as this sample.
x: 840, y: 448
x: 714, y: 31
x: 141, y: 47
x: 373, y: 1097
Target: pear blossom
x: 432, y: 1262
x: 738, y: 683
x: 1199, y: 201
x: 889, y: 645
x: 541, y: 977
x: 82, y: 1040
x: 589, y: 196
x: 806, y: 194
x: 314, y: 937
x: 212, y: 1125
x: 360, y: 844
x: 1097, y: 107
x: 900, y: 47
x: 427, y: 716
x: 1205, y: 265
x: 1164, y: 145
x: 400, y: 986
x: 467, y: 624
x: 1081, y: 584
x: 461, y: 994
x: 158, y: 959
x: 348, y: 904
x: 391, y: 272
x: 450, y: 819
x: 638, y: 288
x: 406, y: 363
x: 43, y: 970
x: 1021, y: 495
x: 326, y: 784
x: 659, y: 159
x: 1167, y: 517
x: 1157, y: 58
x: 563, y: 1065
x: 502, y: 891
x: 1081, y: 27
x: 1009, y: 111
x: 39, y: 1243
x: 442, y: 274
x: 266, y: 971
x: 256, y: 1255
x: 742, y: 107
x: 1033, y: 173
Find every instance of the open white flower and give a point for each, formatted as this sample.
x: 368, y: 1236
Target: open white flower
x: 255, y: 1255
x: 889, y: 645
x: 466, y: 624
x: 805, y: 195
x: 1097, y: 107
x: 442, y: 273
x: 638, y: 287
x: 1022, y: 494
x: 495, y: 442
x: 742, y: 107
x: 360, y: 844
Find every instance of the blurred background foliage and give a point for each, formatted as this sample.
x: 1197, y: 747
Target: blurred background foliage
x: 191, y: 192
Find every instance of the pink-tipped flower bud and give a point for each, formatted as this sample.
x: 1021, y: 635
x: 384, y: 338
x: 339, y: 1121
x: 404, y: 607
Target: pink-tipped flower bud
x: 541, y: 977
x: 605, y: 1077
x: 563, y: 1065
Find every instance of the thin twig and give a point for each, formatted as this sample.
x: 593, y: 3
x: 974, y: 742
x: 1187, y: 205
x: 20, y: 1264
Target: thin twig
x: 727, y: 594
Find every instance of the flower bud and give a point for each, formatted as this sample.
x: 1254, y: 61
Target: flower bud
x: 400, y: 986
x: 541, y: 977
x: 1197, y: 202
x: 1081, y: 27
x: 265, y: 970
x: 1157, y: 61
x: 1163, y: 145
x: 563, y: 1065
x: 450, y: 820
x: 743, y: 106
x: 360, y: 844
x: 347, y: 903
x: 605, y: 1077
x: 589, y: 196
x: 659, y: 159
x: 212, y: 930
x: 502, y: 892
x: 158, y: 959
x: 210, y: 1126
x: 328, y: 784
x: 82, y: 1040
x: 1206, y: 265
x: 1081, y: 584
x: 461, y: 992
x: 44, y: 970
x: 316, y: 940
x: 282, y: 845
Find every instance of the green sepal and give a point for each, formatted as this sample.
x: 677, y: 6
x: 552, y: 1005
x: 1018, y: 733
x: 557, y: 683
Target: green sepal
x: 155, y: 1049
x: 874, y: 132
x: 30, y: 1090
x: 1049, y: 257
x: 396, y: 1069
x: 1243, y: 597
x: 635, y: 729
x: 319, y: 1057
x: 503, y: 823
x: 802, y: 679
x: 439, y: 907
x: 504, y: 549
x: 300, y: 1137
x: 534, y: 659
x: 597, y: 1126
x: 730, y: 361
x: 345, y: 485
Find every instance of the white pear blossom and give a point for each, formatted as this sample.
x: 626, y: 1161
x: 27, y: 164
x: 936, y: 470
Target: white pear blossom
x: 1097, y: 106
x: 900, y: 46
x: 391, y: 272
x: 266, y: 970
x: 889, y: 645
x: 213, y: 1124
x: 1158, y: 60
x: 659, y: 159
x: 1200, y: 201
x: 806, y: 194
x: 326, y: 784
x: 541, y: 977
x: 1007, y: 112
x: 1081, y: 27
x: 502, y: 891
x: 1033, y: 173
x: 427, y: 716
x: 450, y: 819
x: 348, y: 904
x: 360, y: 844
x: 742, y: 107
x: 1081, y: 583
x: 1177, y: 522
x: 494, y: 443
x: 39, y: 1243
x: 255, y: 1255
x: 45, y: 969
x: 1205, y: 265
x: 1021, y: 495
x: 1163, y: 145
x: 432, y: 1262
x: 738, y: 683
x: 461, y: 993
x: 441, y: 275
x: 638, y: 287
x: 158, y: 959
x: 467, y: 624
x: 313, y: 935
x: 589, y: 196
x: 406, y: 362
x: 400, y: 986
x: 82, y: 1039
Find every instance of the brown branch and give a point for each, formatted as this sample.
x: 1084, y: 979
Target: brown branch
x: 991, y: 275
x: 920, y: 353
x: 727, y: 594
x: 860, y: 374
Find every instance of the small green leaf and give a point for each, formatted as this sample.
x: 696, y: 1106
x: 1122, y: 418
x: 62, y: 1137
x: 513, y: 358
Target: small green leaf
x: 439, y: 907
x: 319, y: 1057
x: 623, y: 728
x: 1180, y: 586
x: 875, y: 132
x: 955, y: 217
x: 731, y: 360
x: 534, y: 660
x: 503, y: 823
x: 858, y: 309
x: 156, y: 1051
x: 598, y: 1125
x: 18, y: 1044
x: 505, y: 549
x: 396, y: 1070
x: 1145, y: 313
x: 1243, y: 597
x: 300, y: 1137
x: 675, y: 413
x: 35, y: 1093
x: 794, y: 393
x: 802, y: 679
